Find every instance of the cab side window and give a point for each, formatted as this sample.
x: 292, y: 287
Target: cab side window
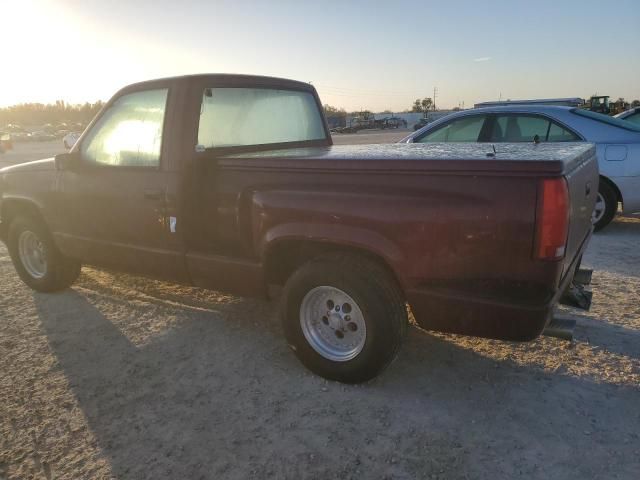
x: 465, y: 129
x: 129, y: 133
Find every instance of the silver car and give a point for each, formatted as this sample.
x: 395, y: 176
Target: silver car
x: 617, y: 143
x: 632, y: 115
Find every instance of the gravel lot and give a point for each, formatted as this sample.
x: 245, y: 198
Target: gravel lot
x: 26, y: 152
x: 123, y: 377
x: 365, y: 137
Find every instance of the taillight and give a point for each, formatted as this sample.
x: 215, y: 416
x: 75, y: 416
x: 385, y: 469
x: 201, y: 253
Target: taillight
x: 552, y: 219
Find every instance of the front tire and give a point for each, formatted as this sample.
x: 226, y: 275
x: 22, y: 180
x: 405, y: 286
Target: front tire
x: 606, y: 206
x: 36, y: 258
x: 344, y: 317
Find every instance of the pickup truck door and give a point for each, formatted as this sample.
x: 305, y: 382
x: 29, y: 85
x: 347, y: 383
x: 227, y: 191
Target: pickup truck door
x: 116, y: 208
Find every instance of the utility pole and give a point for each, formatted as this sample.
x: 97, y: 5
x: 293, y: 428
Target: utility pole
x: 435, y: 92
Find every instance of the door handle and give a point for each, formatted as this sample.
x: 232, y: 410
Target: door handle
x: 153, y: 194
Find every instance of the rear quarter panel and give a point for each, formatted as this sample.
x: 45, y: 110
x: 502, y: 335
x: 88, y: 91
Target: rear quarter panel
x: 428, y: 228
x: 583, y: 188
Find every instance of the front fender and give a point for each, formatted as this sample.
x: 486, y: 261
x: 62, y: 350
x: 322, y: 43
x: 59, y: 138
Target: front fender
x: 10, y: 205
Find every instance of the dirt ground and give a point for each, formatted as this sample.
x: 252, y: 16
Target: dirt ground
x: 126, y: 378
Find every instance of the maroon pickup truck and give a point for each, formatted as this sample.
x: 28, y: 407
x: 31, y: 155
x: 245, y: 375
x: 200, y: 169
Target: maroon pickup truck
x: 231, y: 182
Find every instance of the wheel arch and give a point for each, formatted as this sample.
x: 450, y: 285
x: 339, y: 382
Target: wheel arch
x: 615, y: 188
x: 282, y: 257
x: 10, y: 208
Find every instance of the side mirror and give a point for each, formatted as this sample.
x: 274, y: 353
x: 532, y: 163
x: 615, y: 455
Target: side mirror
x: 68, y: 161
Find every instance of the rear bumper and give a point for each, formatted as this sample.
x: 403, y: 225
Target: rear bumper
x: 498, y: 317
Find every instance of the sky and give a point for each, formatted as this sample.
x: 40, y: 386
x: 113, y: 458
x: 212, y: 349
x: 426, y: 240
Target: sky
x: 373, y: 54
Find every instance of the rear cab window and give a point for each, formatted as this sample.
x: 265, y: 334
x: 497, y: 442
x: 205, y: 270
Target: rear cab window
x: 254, y: 117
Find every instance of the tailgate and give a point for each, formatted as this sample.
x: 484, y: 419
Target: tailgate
x: 583, y: 190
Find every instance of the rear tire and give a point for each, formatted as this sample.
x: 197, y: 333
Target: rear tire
x: 36, y: 258
x: 606, y: 206
x: 344, y: 316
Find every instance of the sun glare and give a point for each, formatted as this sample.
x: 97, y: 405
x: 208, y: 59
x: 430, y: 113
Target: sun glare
x: 52, y: 53
x: 34, y: 51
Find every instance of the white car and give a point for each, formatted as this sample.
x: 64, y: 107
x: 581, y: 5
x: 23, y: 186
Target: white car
x: 70, y: 139
x: 617, y: 143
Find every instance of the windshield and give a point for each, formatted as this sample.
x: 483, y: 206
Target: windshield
x: 615, y: 122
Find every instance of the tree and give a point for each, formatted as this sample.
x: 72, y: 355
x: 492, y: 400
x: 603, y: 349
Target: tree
x: 422, y: 106
x: 635, y: 103
x: 54, y: 114
x: 330, y: 111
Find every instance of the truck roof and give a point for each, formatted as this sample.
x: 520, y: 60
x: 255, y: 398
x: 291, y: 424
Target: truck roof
x: 231, y: 78
x: 549, y: 158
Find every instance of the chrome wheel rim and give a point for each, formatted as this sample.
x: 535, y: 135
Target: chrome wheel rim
x: 333, y: 323
x: 599, y: 209
x: 32, y: 254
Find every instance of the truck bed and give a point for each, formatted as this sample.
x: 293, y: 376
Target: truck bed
x: 468, y: 219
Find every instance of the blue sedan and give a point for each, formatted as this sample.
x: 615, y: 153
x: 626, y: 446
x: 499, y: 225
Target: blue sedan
x: 617, y: 143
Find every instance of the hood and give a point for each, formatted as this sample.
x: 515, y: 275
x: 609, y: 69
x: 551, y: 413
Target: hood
x: 48, y: 164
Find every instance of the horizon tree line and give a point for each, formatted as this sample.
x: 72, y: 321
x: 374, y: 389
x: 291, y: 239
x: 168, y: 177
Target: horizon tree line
x: 49, y: 113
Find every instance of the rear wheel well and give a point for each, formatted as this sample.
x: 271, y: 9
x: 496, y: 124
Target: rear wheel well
x: 285, y: 257
x: 614, y: 188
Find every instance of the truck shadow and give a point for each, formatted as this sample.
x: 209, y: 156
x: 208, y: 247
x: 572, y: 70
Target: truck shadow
x: 609, y: 337
x: 220, y: 395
